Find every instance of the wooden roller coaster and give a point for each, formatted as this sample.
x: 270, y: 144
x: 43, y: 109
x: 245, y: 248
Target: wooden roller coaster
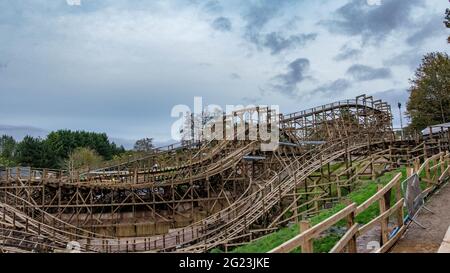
x: 196, y: 196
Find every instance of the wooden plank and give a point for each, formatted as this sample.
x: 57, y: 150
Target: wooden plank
x: 444, y: 175
x: 345, y: 239
x: 392, y: 241
x: 427, y: 161
x: 379, y: 194
x: 314, y: 231
x: 387, y: 213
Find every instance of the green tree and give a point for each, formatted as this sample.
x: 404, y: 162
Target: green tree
x: 4, y: 162
x: 30, y: 152
x: 59, y: 145
x: 429, y: 100
x: 7, y: 147
x: 82, y: 157
x: 63, y: 142
x: 144, y: 145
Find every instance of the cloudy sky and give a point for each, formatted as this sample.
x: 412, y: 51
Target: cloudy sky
x: 119, y: 66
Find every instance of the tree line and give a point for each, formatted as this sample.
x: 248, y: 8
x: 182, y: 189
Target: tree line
x: 54, y: 150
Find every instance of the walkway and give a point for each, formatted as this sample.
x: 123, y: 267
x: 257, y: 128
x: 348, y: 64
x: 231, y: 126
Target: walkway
x: 428, y: 240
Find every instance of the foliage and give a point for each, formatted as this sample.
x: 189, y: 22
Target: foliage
x: 82, y: 157
x: 56, y: 148
x: 429, y: 101
x: 144, y: 145
x: 63, y: 142
x: 5, y: 162
x: 7, y: 146
x: 31, y: 152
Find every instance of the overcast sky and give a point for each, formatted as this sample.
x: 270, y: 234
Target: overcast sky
x: 119, y: 66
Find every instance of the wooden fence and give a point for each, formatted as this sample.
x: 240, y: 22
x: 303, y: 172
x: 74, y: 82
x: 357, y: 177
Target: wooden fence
x: 434, y: 171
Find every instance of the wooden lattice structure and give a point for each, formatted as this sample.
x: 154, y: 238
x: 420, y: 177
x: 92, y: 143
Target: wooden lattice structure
x: 197, y: 196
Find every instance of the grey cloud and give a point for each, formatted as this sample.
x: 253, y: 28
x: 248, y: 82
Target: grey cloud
x: 221, y: 24
x: 431, y: 28
x: 296, y: 72
x: 372, y: 22
x: 335, y: 87
x: 293, y: 22
x: 259, y: 13
x: 277, y: 43
x: 213, y: 6
x: 257, y: 17
x: 3, y: 66
x: 361, y: 72
x: 410, y: 58
x: 235, y: 76
x: 348, y: 53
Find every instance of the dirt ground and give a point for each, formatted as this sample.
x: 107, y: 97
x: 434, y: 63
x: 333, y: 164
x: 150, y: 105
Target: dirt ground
x: 419, y: 240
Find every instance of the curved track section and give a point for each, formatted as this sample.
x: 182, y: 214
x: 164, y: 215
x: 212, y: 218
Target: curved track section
x: 209, y: 195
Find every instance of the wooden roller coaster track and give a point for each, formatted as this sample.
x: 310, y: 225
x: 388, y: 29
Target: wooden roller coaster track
x: 197, y: 196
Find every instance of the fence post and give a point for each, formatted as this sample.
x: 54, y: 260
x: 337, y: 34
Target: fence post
x: 307, y: 247
x: 384, y: 222
x: 416, y: 165
x: 398, y: 196
x: 351, y: 246
x: 409, y: 171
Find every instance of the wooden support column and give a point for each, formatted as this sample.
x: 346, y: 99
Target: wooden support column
x: 192, y: 199
x: 208, y: 185
x: 173, y: 204
x: 338, y: 187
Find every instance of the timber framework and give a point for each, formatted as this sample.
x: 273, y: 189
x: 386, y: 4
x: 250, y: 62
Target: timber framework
x: 193, y: 197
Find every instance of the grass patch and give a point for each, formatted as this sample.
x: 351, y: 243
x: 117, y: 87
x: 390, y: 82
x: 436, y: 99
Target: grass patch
x: 324, y: 244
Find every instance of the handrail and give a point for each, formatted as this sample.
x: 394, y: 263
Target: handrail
x: 352, y: 210
x: 349, y: 213
x: 314, y: 231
